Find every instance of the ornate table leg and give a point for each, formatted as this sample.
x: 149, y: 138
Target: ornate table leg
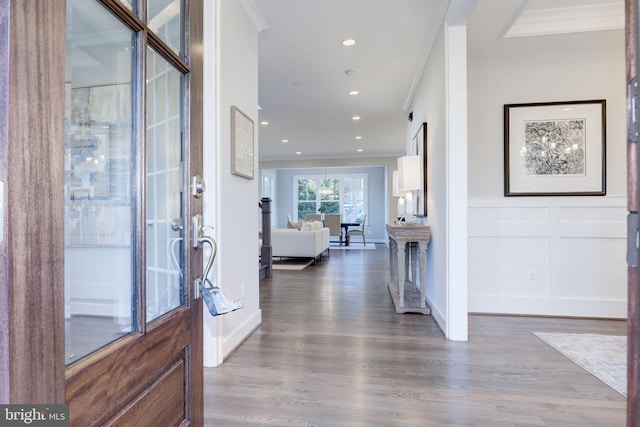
x: 423, y: 273
x: 401, y: 273
x: 393, y: 259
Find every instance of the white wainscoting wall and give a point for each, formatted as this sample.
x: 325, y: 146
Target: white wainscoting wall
x: 557, y: 256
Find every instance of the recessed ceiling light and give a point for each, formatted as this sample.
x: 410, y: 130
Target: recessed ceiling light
x: 355, y: 118
x: 358, y: 137
x: 566, y: 109
x: 354, y: 92
x: 360, y: 150
x: 264, y: 122
x: 298, y: 152
x: 348, y: 42
x: 284, y: 141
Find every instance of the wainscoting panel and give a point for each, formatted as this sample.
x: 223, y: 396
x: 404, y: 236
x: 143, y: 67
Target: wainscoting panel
x: 520, y: 266
x: 592, y: 268
x: 559, y: 256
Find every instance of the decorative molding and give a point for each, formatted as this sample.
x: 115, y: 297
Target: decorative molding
x: 423, y: 56
x: 562, y: 20
x: 233, y: 339
x: 538, y: 306
x: 254, y: 14
x: 456, y: 14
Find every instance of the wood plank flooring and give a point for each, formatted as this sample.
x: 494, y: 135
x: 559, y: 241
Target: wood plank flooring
x: 332, y: 352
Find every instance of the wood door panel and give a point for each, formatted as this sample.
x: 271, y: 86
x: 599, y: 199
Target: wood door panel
x: 631, y: 40
x: 114, y: 375
x: 162, y: 404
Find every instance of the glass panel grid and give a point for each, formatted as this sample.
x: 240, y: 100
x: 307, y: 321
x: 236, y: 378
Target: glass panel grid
x: 344, y: 194
x: 98, y: 251
x: 164, y: 189
x: 165, y: 20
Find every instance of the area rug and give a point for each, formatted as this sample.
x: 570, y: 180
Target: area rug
x: 291, y: 263
x: 603, y: 356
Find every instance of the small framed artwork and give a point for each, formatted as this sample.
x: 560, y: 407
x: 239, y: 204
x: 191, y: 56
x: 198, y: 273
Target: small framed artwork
x: 242, y: 158
x: 555, y: 149
x: 420, y: 149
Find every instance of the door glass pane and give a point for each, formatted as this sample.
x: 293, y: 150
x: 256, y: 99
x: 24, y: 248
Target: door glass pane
x: 165, y: 251
x: 98, y: 254
x: 127, y: 3
x: 165, y: 19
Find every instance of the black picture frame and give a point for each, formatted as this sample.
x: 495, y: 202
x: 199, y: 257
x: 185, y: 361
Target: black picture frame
x: 420, y: 149
x: 555, y: 148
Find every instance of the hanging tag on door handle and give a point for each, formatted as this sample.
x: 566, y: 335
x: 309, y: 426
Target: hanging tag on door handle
x: 214, y: 298
x: 216, y: 301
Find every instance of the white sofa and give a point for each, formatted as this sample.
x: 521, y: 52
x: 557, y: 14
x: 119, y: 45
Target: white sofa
x: 309, y: 242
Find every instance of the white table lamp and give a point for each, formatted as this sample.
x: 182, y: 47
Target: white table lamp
x: 397, y: 192
x: 409, y: 180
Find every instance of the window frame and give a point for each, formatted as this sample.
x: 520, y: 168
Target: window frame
x: 318, y: 177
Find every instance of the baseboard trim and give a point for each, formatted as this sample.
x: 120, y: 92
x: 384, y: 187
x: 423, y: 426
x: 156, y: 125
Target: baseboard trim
x: 233, y: 340
x: 558, y: 307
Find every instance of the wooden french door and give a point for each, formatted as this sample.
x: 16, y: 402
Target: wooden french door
x: 633, y: 196
x: 101, y: 111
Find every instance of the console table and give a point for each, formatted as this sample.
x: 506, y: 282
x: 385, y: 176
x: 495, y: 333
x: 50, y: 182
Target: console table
x: 403, y: 291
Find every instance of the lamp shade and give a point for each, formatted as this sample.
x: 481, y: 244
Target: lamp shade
x: 409, y: 173
x: 396, y: 185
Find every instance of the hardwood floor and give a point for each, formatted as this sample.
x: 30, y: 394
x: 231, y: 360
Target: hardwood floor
x: 332, y: 352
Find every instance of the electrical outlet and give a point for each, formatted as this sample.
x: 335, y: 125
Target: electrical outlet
x: 532, y: 276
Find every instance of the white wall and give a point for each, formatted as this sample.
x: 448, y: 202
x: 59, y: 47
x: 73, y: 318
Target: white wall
x: 230, y: 201
x: 440, y: 100
x: 545, y: 255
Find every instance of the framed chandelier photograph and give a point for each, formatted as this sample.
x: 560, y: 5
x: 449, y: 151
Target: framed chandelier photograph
x: 555, y: 149
x: 242, y: 150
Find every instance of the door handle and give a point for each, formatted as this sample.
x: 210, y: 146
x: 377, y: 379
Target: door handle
x: 197, y: 186
x: 216, y: 301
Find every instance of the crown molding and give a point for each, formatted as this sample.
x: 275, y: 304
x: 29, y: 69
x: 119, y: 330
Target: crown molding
x: 423, y: 56
x: 562, y: 20
x: 254, y: 15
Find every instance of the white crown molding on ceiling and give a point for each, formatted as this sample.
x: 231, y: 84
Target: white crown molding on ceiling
x: 423, y: 56
x: 455, y: 13
x: 562, y: 20
x: 254, y: 15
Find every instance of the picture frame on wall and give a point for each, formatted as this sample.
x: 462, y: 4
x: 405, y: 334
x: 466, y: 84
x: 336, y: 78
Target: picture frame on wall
x: 242, y: 144
x: 555, y: 149
x: 420, y: 149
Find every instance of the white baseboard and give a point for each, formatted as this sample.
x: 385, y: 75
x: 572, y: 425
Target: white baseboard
x: 236, y: 337
x: 437, y: 316
x: 570, y: 307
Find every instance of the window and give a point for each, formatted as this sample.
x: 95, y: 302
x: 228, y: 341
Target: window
x: 344, y: 194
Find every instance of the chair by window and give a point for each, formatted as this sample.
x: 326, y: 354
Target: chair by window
x: 313, y: 217
x: 334, y: 223
x: 359, y: 231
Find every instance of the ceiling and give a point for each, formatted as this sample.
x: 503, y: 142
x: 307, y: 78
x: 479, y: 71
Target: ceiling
x: 305, y: 73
